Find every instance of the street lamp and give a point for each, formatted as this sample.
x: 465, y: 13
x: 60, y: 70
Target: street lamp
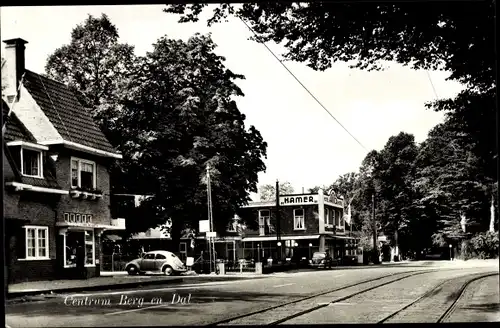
x: 310, y: 245
x: 450, y: 253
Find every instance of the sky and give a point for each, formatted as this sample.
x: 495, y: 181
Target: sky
x: 306, y: 146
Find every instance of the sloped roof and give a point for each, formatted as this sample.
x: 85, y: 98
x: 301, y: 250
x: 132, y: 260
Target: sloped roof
x: 65, y: 112
x: 15, y: 129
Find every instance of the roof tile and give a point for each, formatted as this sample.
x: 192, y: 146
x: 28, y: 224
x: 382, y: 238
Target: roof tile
x: 65, y: 112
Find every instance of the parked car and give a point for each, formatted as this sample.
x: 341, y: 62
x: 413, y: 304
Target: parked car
x: 322, y: 260
x: 156, y: 261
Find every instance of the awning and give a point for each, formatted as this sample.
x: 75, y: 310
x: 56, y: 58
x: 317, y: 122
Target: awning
x: 112, y: 237
x: 343, y: 237
x: 273, y: 238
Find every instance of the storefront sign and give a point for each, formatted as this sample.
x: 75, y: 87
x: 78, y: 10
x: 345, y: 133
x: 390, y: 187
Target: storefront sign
x: 299, y: 200
x: 204, y: 226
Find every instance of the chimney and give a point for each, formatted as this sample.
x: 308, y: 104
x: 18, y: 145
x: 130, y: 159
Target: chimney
x: 14, y: 67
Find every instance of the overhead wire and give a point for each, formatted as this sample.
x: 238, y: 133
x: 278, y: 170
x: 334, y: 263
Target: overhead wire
x: 303, y: 86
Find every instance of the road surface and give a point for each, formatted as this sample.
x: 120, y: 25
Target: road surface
x: 362, y: 295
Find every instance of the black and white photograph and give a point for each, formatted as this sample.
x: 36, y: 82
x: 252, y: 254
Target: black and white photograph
x: 225, y: 164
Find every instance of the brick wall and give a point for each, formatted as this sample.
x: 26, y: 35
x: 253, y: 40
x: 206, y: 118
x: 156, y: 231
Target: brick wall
x: 99, y: 208
x: 286, y: 219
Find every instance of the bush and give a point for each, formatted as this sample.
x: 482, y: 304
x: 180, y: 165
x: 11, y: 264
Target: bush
x: 485, y: 245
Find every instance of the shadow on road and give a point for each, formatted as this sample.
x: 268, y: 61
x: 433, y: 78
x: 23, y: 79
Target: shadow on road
x: 485, y: 307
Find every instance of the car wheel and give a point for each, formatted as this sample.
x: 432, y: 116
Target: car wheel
x: 168, y: 271
x: 132, y: 270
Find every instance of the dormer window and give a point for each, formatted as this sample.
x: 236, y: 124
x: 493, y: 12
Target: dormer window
x: 83, y: 173
x: 31, y: 162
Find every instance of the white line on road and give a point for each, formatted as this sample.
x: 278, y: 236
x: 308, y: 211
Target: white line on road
x: 292, y: 283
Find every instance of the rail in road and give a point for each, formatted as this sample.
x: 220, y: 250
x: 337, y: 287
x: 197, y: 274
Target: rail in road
x: 303, y: 305
x: 425, y: 301
x: 290, y: 310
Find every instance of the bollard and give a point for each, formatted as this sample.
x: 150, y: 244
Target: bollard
x: 258, y: 268
x: 241, y: 267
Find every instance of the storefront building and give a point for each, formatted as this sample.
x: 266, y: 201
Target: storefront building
x: 308, y: 223
x: 57, y: 184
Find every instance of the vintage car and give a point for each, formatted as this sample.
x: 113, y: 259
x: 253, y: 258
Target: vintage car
x: 156, y: 261
x: 322, y: 260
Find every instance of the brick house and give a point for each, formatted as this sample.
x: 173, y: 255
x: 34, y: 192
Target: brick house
x: 57, y: 183
x: 308, y: 223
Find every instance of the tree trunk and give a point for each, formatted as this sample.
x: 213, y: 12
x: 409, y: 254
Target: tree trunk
x: 492, y: 214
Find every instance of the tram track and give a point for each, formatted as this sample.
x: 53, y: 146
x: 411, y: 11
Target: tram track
x: 448, y: 310
x: 264, y: 314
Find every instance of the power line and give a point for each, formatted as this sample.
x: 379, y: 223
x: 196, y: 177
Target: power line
x: 432, y: 85
x: 303, y: 86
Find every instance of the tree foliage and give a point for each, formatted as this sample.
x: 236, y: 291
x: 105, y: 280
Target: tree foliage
x: 267, y: 192
x: 172, y: 115
x: 94, y: 63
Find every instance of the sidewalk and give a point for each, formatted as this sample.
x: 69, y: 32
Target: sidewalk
x: 112, y: 280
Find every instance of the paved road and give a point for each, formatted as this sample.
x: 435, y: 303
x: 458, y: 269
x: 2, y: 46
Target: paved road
x: 211, y: 302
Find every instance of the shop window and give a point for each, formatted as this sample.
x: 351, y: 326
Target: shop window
x: 37, y: 243
x: 89, y: 248
x: 72, y: 239
x: 264, y: 217
x: 298, y: 219
x: 83, y: 173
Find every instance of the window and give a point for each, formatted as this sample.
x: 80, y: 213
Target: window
x: 161, y: 257
x: 341, y: 219
x: 337, y: 218
x: 264, y: 215
x: 328, y: 217
x: 150, y: 256
x: 83, y: 174
x: 37, y: 243
x: 298, y: 219
x: 31, y: 162
x: 89, y: 247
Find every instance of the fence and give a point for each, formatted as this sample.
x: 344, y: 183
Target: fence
x: 240, y: 266
x: 116, y: 262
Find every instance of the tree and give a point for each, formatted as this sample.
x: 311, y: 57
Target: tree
x: 94, y: 63
x: 451, y: 184
x: 345, y: 185
x: 178, y: 117
x: 268, y: 192
x: 395, y: 172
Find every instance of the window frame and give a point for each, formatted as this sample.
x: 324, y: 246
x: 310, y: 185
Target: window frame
x: 40, y: 162
x: 263, y: 221
x: 329, y: 217
x: 37, y: 248
x: 302, y: 217
x: 81, y: 161
x: 185, y: 247
x: 93, y: 248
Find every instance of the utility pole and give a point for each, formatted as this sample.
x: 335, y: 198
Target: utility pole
x: 278, y: 219
x: 210, y: 221
x: 375, y: 246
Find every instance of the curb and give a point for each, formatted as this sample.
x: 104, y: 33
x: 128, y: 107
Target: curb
x: 11, y: 295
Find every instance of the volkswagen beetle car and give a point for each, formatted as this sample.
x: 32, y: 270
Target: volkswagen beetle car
x: 322, y: 260
x: 156, y: 261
